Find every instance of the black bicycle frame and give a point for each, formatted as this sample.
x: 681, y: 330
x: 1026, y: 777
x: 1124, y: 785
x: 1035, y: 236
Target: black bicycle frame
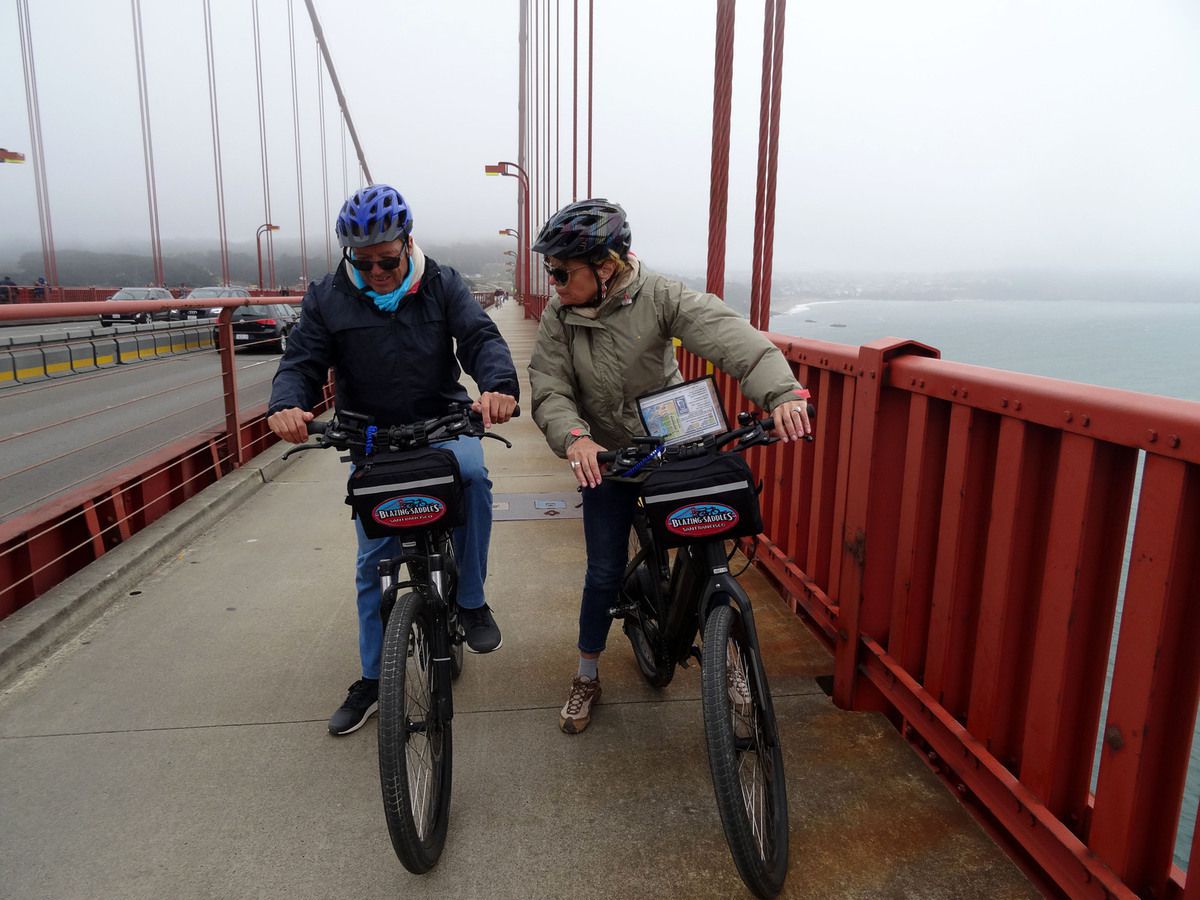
x: 427, y: 571
x: 701, y: 571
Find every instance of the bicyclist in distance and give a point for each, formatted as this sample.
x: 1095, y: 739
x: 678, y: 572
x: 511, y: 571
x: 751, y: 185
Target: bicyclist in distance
x: 604, y: 341
x: 388, y: 320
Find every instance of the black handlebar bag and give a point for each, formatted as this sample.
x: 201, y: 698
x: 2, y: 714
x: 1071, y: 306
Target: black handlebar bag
x: 396, y: 493
x: 710, y: 498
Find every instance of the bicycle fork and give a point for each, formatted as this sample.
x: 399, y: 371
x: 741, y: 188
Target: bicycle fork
x: 719, y: 584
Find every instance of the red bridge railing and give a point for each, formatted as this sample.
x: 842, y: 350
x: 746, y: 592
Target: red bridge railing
x: 956, y: 536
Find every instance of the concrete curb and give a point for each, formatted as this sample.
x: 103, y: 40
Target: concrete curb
x: 38, y: 629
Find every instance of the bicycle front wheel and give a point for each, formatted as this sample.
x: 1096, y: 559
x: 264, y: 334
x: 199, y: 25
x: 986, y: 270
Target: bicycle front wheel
x: 414, y: 747
x: 744, y: 755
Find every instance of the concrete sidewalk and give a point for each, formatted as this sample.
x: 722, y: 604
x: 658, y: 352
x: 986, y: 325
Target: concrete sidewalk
x: 176, y: 747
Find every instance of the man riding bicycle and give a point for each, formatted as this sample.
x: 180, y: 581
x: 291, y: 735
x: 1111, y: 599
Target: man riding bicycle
x: 396, y: 326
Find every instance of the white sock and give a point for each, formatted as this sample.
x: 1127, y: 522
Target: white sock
x: 589, y: 668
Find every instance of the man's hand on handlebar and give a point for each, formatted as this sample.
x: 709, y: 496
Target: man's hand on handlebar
x: 584, y: 465
x: 495, y: 408
x: 290, y: 423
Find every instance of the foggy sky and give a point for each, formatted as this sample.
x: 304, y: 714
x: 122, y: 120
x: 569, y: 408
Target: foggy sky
x: 915, y: 136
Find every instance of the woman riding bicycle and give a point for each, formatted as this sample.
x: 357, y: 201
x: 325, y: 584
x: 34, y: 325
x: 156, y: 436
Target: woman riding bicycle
x: 604, y: 341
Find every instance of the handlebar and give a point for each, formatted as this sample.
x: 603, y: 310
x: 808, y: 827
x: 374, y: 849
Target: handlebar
x: 751, y: 433
x: 353, y: 431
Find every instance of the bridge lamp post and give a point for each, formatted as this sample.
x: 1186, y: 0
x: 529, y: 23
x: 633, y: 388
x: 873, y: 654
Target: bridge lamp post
x: 266, y: 226
x: 512, y: 170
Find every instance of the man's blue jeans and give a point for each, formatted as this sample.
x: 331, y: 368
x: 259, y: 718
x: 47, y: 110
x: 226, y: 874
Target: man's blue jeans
x: 607, y: 517
x: 470, y: 551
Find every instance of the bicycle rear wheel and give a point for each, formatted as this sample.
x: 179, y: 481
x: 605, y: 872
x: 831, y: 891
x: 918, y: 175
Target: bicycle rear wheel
x: 744, y: 755
x: 641, y: 625
x: 414, y: 748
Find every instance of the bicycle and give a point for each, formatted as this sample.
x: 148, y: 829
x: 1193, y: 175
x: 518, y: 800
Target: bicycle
x: 404, y: 486
x: 692, y: 500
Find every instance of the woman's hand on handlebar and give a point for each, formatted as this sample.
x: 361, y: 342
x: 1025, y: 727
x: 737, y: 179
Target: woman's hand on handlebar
x: 791, y: 420
x: 584, y: 465
x: 495, y: 408
x: 290, y: 424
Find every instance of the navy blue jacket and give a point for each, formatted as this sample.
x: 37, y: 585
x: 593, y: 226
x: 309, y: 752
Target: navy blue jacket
x: 399, y: 367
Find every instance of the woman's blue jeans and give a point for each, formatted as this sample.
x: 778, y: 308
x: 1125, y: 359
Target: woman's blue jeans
x: 607, y: 517
x: 470, y: 551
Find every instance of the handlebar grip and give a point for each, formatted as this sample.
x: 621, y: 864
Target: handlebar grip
x: 315, y: 427
x: 606, y: 456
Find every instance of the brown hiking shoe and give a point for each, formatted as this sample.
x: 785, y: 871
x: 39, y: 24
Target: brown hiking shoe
x: 576, y: 715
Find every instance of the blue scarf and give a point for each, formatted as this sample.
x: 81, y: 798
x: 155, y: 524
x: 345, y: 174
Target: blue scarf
x: 384, y: 302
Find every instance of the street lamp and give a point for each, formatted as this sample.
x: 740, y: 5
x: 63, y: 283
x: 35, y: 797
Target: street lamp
x: 514, y: 171
x: 511, y: 232
x: 266, y: 226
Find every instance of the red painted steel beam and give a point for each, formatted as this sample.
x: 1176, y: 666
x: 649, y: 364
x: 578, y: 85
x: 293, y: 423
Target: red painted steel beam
x: 1051, y: 844
x: 1155, y: 685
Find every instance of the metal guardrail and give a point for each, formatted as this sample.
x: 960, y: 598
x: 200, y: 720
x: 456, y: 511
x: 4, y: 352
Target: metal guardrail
x: 955, y: 536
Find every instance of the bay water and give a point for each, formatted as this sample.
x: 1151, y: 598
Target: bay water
x: 1147, y: 346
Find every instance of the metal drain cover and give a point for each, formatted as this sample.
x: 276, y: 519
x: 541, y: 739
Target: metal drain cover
x: 525, y: 507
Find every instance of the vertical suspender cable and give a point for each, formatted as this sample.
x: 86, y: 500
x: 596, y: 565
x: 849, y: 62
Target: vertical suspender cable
x: 522, y: 289
x: 718, y: 198
x: 575, y: 107
x: 773, y: 168
x: 36, y: 146
x: 535, y: 181
x: 547, y: 159
x: 345, y: 168
x: 262, y: 142
x: 299, y: 158
x: 557, y: 99
x: 139, y: 45
x: 591, y: 57
x: 222, y: 232
x: 325, y: 216
x: 337, y: 89
x: 764, y: 118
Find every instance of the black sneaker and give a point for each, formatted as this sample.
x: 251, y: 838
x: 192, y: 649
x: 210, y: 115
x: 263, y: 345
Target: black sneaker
x: 483, y: 634
x: 361, y: 701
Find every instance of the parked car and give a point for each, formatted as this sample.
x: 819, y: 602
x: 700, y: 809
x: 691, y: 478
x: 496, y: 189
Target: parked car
x: 264, y: 326
x: 212, y: 293
x: 140, y: 293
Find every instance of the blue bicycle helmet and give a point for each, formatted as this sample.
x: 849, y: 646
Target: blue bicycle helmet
x: 587, y: 229
x: 374, y: 215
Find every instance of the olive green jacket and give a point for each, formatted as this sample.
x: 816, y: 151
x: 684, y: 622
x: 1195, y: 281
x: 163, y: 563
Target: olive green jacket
x: 587, y: 373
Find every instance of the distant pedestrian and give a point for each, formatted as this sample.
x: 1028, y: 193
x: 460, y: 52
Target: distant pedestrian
x: 8, y: 290
x: 39, y: 289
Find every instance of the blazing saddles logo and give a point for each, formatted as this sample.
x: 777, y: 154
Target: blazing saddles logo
x: 702, y: 519
x: 408, y: 512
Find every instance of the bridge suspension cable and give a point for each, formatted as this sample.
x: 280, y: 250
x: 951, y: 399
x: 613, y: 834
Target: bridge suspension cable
x: 324, y: 165
x: 262, y: 141
x: 299, y: 157
x: 337, y: 88
x: 139, y: 46
x: 218, y: 171
x: 36, y: 145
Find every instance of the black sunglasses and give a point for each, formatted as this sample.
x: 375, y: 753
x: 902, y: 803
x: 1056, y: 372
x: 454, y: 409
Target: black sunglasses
x: 387, y: 263
x: 559, y: 274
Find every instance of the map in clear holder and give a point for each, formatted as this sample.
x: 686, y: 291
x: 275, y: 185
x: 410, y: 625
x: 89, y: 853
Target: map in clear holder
x: 683, y: 412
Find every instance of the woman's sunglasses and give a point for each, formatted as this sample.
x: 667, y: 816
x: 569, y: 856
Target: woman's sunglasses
x: 559, y: 274
x: 387, y: 263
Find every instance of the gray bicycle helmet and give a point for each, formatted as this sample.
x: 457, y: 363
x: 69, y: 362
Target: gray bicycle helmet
x: 587, y: 229
x: 374, y: 215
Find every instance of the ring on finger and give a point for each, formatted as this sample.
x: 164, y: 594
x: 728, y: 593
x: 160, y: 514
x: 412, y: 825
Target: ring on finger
x: 574, y: 464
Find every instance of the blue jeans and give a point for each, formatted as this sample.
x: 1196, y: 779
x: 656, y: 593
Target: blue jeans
x: 607, y: 517
x: 470, y: 551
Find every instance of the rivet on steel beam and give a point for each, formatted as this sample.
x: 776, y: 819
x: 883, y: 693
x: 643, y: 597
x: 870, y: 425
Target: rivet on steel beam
x: 1017, y: 405
x: 964, y: 393
x: 921, y: 383
x: 1151, y: 436
x: 1112, y: 737
x: 954, y: 392
x: 843, y: 634
x: 1067, y: 415
x: 913, y: 382
x: 872, y: 375
x: 1004, y: 403
x: 1085, y: 421
x: 1174, y: 441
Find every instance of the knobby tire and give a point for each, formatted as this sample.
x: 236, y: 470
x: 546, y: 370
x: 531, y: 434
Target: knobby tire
x: 744, y: 756
x: 414, y: 753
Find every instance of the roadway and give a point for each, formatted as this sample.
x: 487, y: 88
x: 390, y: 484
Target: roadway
x: 66, y: 431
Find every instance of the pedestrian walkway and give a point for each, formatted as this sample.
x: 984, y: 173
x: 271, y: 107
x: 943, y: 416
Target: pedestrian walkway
x: 176, y: 747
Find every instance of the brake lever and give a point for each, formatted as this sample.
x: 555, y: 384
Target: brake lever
x: 298, y: 447
x: 505, y: 441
